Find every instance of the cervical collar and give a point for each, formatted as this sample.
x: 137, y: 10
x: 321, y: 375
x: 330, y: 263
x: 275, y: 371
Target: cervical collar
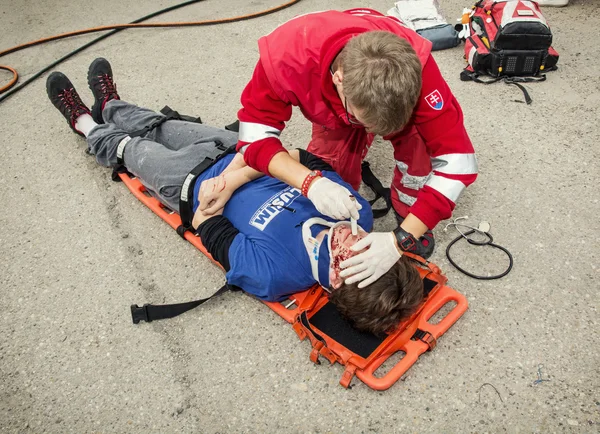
x: 315, y: 248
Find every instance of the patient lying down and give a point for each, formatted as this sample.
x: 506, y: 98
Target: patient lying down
x: 269, y: 238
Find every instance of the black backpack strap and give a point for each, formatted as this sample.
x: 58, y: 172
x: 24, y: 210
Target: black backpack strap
x: 517, y: 80
x: 150, y: 312
x: 466, y: 75
x: 528, y: 99
x: 380, y: 191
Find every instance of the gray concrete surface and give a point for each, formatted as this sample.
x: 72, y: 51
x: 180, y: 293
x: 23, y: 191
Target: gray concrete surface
x: 78, y: 249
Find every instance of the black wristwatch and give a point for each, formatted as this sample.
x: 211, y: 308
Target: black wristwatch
x: 406, y: 241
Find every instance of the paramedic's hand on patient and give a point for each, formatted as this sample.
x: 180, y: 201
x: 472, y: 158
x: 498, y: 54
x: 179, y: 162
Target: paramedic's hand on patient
x: 333, y: 200
x: 371, y: 264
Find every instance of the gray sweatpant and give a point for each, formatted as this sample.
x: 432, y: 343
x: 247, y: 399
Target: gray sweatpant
x: 161, y: 158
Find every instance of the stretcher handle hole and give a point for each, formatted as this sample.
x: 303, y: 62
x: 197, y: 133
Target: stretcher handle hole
x: 442, y: 312
x: 389, y: 363
x: 166, y: 208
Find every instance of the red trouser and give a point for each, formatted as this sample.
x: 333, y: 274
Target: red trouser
x: 345, y: 149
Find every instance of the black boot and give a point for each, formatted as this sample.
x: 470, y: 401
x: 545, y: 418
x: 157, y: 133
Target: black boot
x: 65, y: 98
x: 102, y: 85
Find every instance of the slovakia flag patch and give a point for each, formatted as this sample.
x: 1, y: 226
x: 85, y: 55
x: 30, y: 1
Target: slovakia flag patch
x: 434, y: 99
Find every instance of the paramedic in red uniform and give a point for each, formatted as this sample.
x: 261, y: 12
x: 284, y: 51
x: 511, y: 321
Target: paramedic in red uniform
x: 355, y: 74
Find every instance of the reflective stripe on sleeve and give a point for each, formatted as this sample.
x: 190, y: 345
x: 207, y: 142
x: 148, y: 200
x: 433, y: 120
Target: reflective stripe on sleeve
x: 251, y: 132
x: 405, y: 198
x: 410, y: 181
x: 455, y: 164
x: 448, y: 187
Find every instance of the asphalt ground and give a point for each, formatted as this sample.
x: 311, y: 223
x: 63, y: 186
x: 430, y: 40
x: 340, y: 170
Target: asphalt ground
x: 78, y: 249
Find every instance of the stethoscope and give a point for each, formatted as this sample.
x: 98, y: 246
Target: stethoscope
x: 483, y: 229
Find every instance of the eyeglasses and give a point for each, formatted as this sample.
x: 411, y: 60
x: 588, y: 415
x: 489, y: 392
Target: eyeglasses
x: 351, y: 119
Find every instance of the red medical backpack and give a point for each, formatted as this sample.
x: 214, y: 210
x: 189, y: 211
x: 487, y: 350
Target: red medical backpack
x: 508, y: 38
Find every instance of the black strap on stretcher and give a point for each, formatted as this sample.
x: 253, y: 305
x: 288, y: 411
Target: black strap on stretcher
x: 169, y: 115
x: 376, y: 187
x: 151, y: 312
x: 303, y: 318
x: 187, y: 191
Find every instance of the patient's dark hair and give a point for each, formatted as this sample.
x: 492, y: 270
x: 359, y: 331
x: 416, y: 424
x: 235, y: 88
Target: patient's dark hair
x: 381, y: 306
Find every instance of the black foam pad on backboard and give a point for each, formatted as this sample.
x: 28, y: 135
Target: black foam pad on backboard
x: 331, y: 322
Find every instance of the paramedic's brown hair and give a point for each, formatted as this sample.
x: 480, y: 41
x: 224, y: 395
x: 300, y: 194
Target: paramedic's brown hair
x: 381, y: 306
x: 382, y: 79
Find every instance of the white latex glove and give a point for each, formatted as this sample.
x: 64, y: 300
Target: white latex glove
x: 333, y: 200
x: 374, y: 262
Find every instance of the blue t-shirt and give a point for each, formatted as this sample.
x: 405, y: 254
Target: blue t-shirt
x: 268, y: 257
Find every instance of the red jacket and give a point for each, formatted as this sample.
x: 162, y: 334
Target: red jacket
x: 293, y: 70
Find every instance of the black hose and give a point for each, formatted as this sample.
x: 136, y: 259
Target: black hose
x: 120, y: 28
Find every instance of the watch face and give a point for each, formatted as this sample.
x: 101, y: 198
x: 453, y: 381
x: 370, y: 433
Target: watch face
x: 408, y: 244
